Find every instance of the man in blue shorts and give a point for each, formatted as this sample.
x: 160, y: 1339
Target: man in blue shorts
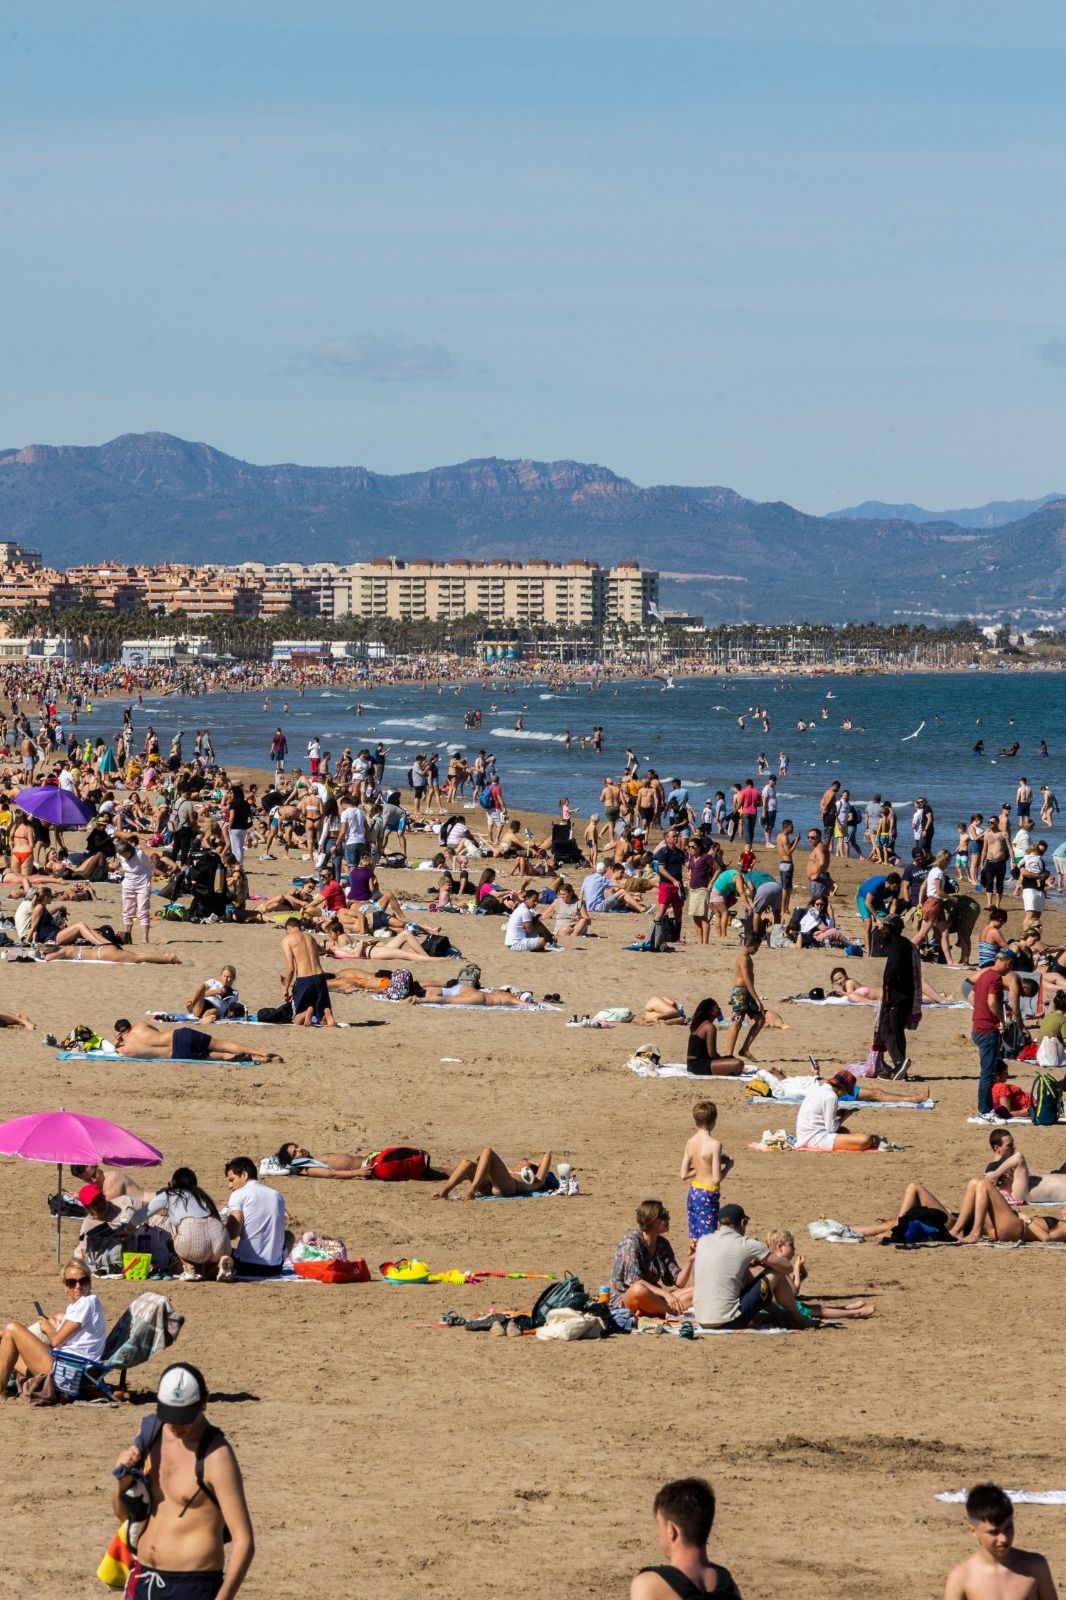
x: 875, y: 900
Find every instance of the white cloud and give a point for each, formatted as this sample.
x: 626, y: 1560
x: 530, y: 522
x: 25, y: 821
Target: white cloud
x: 376, y: 359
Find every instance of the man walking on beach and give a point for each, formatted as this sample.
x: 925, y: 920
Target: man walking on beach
x: 193, y: 1493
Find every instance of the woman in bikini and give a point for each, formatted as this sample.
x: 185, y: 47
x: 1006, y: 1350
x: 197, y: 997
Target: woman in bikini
x: 703, y: 1057
x: 22, y: 842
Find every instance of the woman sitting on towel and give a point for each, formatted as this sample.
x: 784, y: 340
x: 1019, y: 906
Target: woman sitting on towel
x: 490, y: 1174
x: 703, y: 1057
x: 51, y: 927
x: 645, y: 1276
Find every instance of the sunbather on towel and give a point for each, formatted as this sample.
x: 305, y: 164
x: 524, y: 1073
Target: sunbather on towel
x: 984, y: 1213
x: 333, y: 1164
x: 861, y: 994
x: 490, y: 1174
x: 216, y: 998
x: 464, y: 994
x: 782, y: 1087
x: 782, y: 1243
x: 703, y: 1057
x: 113, y: 952
x: 145, y: 1039
x: 364, y: 948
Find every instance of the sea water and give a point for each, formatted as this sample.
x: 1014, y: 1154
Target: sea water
x: 690, y: 732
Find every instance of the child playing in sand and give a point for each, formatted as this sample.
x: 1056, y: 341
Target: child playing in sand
x: 996, y: 1570
x: 703, y: 1167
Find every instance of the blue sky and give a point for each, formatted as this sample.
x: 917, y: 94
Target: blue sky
x: 815, y: 253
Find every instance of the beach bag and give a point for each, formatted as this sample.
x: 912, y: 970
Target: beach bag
x: 656, y: 940
x: 567, y: 1322
x: 1045, y: 1100
x: 470, y: 974
x: 333, y: 1271
x: 1050, y: 1052
x: 436, y: 944
x: 568, y: 1294
x: 484, y: 799
x: 398, y: 1163
x: 275, y: 1013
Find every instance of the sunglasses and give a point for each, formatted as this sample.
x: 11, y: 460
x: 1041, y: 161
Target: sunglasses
x: 73, y: 1283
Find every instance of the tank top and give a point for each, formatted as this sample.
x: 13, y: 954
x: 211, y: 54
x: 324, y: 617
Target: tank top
x: 724, y: 1586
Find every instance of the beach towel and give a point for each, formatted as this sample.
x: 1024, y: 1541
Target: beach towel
x: 795, y: 1098
x: 154, y: 1061
x: 229, y: 1022
x: 496, y: 1011
x: 803, y: 1150
x: 678, y: 1069
x: 1020, y: 1497
x: 841, y: 1000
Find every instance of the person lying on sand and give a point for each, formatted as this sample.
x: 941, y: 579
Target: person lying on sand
x: 489, y: 1174
x: 145, y: 1039
x: 361, y: 947
x: 331, y: 1164
x: 861, y: 994
x: 113, y: 952
x: 783, y: 1087
x: 984, y: 1212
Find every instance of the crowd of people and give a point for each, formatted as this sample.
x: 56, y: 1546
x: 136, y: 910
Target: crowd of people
x: 170, y: 817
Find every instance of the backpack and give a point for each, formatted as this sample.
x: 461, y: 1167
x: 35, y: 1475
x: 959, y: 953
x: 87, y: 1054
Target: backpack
x: 484, y: 798
x: 401, y: 984
x: 657, y: 937
x: 397, y: 1163
x: 148, y: 1433
x: 436, y: 944
x: 569, y: 1293
x: 1045, y: 1100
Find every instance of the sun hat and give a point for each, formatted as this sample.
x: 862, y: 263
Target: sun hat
x: 843, y: 1081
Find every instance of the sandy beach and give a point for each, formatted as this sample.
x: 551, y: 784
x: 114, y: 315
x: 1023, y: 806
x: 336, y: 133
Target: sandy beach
x: 383, y: 1455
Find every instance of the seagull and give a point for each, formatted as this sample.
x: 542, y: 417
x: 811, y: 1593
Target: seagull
x: 915, y: 734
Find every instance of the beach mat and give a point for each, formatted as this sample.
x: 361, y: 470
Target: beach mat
x: 802, y: 1150
x: 1020, y: 1497
x: 153, y: 1061
x: 440, y: 1005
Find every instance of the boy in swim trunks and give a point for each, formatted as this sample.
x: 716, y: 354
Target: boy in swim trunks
x: 703, y: 1166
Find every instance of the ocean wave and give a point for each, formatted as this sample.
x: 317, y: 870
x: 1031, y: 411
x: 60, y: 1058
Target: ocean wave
x: 426, y: 724
x: 525, y: 733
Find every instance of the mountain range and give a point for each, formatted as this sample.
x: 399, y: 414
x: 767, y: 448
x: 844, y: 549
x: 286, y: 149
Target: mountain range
x: 152, y: 497
x: 995, y: 514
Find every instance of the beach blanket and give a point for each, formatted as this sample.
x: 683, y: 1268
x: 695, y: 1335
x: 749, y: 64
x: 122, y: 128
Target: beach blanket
x: 678, y: 1069
x: 1020, y: 1497
x: 496, y: 1011
x: 230, y: 1022
x: 156, y: 1061
x: 525, y: 1194
x: 803, y: 1150
x: 707, y: 1333
x: 842, y: 1000
x: 796, y: 1098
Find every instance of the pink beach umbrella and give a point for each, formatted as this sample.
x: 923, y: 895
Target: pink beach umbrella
x: 66, y: 1136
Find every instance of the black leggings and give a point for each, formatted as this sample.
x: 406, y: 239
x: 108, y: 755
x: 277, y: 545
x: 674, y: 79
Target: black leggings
x: 993, y: 876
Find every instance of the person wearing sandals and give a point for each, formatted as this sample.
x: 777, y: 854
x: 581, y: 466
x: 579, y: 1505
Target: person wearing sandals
x: 192, y: 1219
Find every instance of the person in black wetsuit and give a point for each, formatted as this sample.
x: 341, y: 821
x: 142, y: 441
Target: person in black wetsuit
x: 898, y: 1002
x: 684, y: 1517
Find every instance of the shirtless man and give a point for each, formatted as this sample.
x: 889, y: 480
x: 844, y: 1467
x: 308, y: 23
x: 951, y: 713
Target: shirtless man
x: 333, y: 1164
x: 996, y: 1570
x: 1009, y: 1171
x: 115, y: 1185
x: 818, y: 878
x: 611, y: 801
x: 195, y: 1497
x: 304, y: 979
x: 785, y: 844
x: 145, y: 1040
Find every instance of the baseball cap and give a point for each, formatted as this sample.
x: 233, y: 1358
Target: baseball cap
x: 88, y: 1193
x: 731, y: 1215
x: 843, y: 1081
x: 182, y: 1393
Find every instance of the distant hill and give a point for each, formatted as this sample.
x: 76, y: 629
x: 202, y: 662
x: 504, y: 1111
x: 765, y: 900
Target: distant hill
x: 152, y: 497
x: 996, y: 514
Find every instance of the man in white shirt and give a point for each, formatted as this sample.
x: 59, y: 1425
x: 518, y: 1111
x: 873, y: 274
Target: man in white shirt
x: 353, y: 828
x: 819, y: 1117
x: 595, y: 888
x: 255, y: 1218
x: 525, y: 930
x: 727, y: 1293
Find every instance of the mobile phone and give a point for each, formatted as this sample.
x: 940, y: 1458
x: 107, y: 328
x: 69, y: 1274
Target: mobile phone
x: 37, y: 1306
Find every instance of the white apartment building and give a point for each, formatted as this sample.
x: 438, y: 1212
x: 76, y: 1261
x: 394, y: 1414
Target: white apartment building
x: 561, y: 594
